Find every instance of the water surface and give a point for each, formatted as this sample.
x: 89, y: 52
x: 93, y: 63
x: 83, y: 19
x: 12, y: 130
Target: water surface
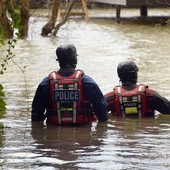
x: 119, y: 144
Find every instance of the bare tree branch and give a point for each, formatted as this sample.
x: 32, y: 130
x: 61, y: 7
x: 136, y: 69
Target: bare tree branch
x: 65, y: 18
x: 49, y: 26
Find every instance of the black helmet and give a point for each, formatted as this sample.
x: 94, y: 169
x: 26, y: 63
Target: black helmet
x: 127, y: 71
x: 67, y: 55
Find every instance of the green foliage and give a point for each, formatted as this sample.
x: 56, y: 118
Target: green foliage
x: 14, y: 20
x: 2, y: 102
x: 9, y: 55
x: 2, y: 37
x: 2, y: 94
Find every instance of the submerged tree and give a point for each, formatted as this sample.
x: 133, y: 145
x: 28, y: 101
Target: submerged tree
x: 50, y: 26
x: 65, y: 18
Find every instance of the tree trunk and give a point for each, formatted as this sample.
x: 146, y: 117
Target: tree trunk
x: 48, y: 28
x: 24, y: 12
x: 65, y: 18
x: 4, y: 22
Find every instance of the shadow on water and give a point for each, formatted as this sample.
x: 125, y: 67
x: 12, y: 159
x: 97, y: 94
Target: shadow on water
x: 63, y: 146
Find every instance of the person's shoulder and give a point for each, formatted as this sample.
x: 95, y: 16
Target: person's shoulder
x: 45, y: 81
x: 109, y: 95
x: 147, y: 89
x: 87, y: 79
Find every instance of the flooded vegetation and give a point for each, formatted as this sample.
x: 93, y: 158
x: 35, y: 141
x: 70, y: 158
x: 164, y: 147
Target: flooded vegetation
x: 118, y: 144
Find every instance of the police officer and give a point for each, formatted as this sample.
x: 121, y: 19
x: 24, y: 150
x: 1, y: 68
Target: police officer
x: 68, y: 96
x: 132, y: 99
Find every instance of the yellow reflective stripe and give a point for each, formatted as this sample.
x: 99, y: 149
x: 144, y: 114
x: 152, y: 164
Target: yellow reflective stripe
x: 66, y: 109
x: 131, y: 110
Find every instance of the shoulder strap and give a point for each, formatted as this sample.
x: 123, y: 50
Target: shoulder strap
x: 117, y: 90
x: 142, y: 88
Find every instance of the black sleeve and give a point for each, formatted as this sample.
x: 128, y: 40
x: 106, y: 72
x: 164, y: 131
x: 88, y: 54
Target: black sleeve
x: 94, y: 95
x: 160, y: 103
x: 38, y: 105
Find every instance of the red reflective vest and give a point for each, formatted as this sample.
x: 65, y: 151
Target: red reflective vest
x: 133, y: 102
x: 68, y: 102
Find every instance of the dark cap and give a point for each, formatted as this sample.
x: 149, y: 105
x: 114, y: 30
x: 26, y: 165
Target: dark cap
x: 66, y: 55
x: 127, y: 71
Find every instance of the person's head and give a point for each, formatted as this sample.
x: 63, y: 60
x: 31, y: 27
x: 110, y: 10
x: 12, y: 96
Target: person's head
x: 127, y: 72
x: 67, y: 56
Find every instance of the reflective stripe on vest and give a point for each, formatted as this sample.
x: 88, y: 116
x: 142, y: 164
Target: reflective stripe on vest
x: 140, y: 89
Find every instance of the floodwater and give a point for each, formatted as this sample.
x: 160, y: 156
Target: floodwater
x: 119, y: 144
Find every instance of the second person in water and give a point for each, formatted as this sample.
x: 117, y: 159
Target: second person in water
x: 132, y: 99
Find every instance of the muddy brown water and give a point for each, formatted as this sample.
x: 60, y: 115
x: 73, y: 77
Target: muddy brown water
x: 119, y: 144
